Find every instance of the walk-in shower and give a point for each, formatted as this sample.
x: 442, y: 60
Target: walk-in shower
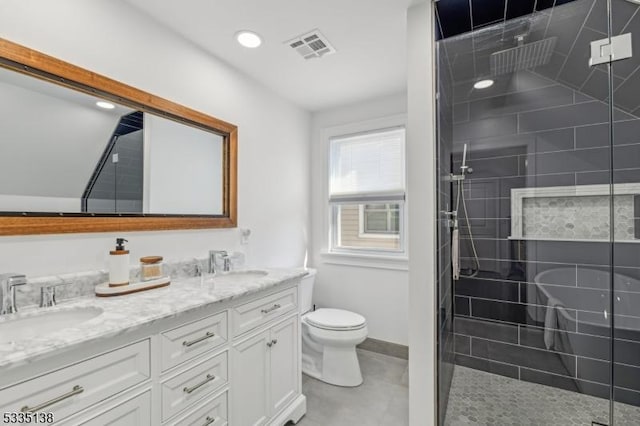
x: 538, y: 247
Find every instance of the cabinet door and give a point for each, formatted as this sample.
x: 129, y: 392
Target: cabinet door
x: 251, y: 381
x: 284, y: 364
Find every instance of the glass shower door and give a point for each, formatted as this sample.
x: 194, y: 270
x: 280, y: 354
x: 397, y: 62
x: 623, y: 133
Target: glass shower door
x: 546, y: 293
x: 625, y: 173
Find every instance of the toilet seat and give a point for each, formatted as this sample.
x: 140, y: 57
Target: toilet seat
x: 335, y: 319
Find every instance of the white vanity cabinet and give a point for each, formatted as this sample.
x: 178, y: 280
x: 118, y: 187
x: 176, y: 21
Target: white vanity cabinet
x: 265, y: 367
x: 234, y: 363
x: 79, y: 386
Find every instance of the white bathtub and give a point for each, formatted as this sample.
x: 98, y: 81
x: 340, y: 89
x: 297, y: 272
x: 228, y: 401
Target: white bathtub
x: 596, y: 279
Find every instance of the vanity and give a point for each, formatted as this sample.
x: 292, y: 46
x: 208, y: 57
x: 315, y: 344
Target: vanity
x: 217, y: 351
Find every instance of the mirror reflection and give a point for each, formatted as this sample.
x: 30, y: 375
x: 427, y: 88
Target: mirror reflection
x: 64, y: 151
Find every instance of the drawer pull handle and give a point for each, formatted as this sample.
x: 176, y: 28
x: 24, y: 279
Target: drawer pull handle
x: 271, y: 309
x: 75, y: 391
x: 209, y: 420
x: 202, y: 383
x: 199, y: 339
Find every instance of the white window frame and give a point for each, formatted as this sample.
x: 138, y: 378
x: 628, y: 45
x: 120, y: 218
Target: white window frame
x: 365, y: 257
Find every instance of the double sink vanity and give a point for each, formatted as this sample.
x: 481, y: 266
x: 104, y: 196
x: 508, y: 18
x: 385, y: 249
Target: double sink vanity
x: 215, y: 351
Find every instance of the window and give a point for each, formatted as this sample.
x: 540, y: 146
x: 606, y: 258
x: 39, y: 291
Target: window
x: 378, y: 220
x: 367, y: 191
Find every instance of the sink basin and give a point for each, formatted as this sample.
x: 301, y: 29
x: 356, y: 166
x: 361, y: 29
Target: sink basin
x: 42, y: 322
x: 236, y: 277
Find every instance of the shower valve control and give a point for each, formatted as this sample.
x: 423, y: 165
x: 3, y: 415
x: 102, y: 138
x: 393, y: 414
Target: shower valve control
x: 452, y: 218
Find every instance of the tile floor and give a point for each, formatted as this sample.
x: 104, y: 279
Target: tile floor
x: 479, y: 398
x: 382, y: 400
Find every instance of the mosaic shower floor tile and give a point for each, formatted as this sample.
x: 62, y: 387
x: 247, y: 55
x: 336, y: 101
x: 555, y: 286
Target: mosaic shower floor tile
x: 480, y: 398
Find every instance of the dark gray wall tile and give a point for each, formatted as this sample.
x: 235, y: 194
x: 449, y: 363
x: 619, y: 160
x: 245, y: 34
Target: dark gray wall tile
x: 566, y: 23
x: 627, y: 156
x: 488, y: 366
x: 626, y: 396
x: 573, y: 297
x: 494, y: 167
x: 565, y: 116
x: 488, y: 329
x: 577, y: 70
x: 489, y: 127
x: 593, y: 178
x: 524, y: 356
x: 520, y: 101
x: 571, y: 343
x: 488, y: 289
x: 462, y: 344
x: 621, y: 13
x: 627, y: 352
x: 501, y: 311
x: 624, y: 376
x: 462, y: 306
x: 461, y: 112
x: 568, y: 161
x: 586, y: 253
x: 594, y: 370
x: 556, y: 179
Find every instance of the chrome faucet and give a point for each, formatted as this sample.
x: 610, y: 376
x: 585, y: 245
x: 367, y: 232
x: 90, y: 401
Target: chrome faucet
x: 8, y: 284
x: 214, y: 255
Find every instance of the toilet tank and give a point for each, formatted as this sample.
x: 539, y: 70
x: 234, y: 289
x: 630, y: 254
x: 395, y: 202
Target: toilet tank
x: 306, y: 291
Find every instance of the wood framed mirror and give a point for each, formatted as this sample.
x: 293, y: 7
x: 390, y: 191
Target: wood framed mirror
x: 69, y: 166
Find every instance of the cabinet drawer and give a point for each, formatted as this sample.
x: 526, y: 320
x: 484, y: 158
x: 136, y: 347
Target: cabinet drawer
x: 212, y: 412
x: 253, y: 314
x: 193, y: 384
x: 193, y: 339
x: 133, y: 412
x: 74, y: 388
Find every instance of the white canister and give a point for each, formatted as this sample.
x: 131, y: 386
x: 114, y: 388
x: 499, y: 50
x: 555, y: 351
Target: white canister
x: 119, y: 264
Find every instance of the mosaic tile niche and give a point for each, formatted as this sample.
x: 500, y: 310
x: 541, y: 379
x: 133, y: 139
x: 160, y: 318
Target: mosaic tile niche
x: 574, y: 213
x: 583, y: 218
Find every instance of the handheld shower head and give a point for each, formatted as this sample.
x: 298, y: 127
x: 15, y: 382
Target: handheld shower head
x: 464, y: 168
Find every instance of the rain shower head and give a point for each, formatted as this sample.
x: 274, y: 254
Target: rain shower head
x: 522, y: 57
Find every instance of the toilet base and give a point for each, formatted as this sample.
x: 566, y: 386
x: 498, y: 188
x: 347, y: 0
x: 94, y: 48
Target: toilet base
x: 340, y: 367
x: 331, y: 357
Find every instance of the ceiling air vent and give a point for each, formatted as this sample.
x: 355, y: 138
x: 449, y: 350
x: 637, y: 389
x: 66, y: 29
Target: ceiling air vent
x: 311, y: 45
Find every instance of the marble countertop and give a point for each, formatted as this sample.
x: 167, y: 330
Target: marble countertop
x: 122, y: 314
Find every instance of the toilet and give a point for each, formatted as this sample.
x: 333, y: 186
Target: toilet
x: 329, y: 339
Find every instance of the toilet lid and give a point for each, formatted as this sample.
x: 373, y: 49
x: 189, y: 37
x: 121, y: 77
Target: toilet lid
x: 335, y: 319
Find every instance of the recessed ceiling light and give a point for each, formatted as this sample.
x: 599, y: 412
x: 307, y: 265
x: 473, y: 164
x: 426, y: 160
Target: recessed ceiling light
x: 483, y: 84
x: 248, y: 39
x: 105, y: 105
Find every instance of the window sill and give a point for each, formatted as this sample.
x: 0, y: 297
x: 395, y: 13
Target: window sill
x: 366, y: 260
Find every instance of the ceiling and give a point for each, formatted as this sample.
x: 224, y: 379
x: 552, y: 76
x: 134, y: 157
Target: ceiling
x: 574, y: 25
x: 461, y: 16
x: 369, y: 36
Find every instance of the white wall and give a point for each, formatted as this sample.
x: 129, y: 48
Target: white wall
x: 381, y: 295
x: 50, y: 145
x: 32, y: 203
x: 182, y: 168
x: 421, y: 155
x: 113, y: 39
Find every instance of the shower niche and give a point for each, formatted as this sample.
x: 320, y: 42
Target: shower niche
x: 579, y: 213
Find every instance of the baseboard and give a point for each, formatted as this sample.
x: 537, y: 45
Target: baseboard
x: 385, y: 348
